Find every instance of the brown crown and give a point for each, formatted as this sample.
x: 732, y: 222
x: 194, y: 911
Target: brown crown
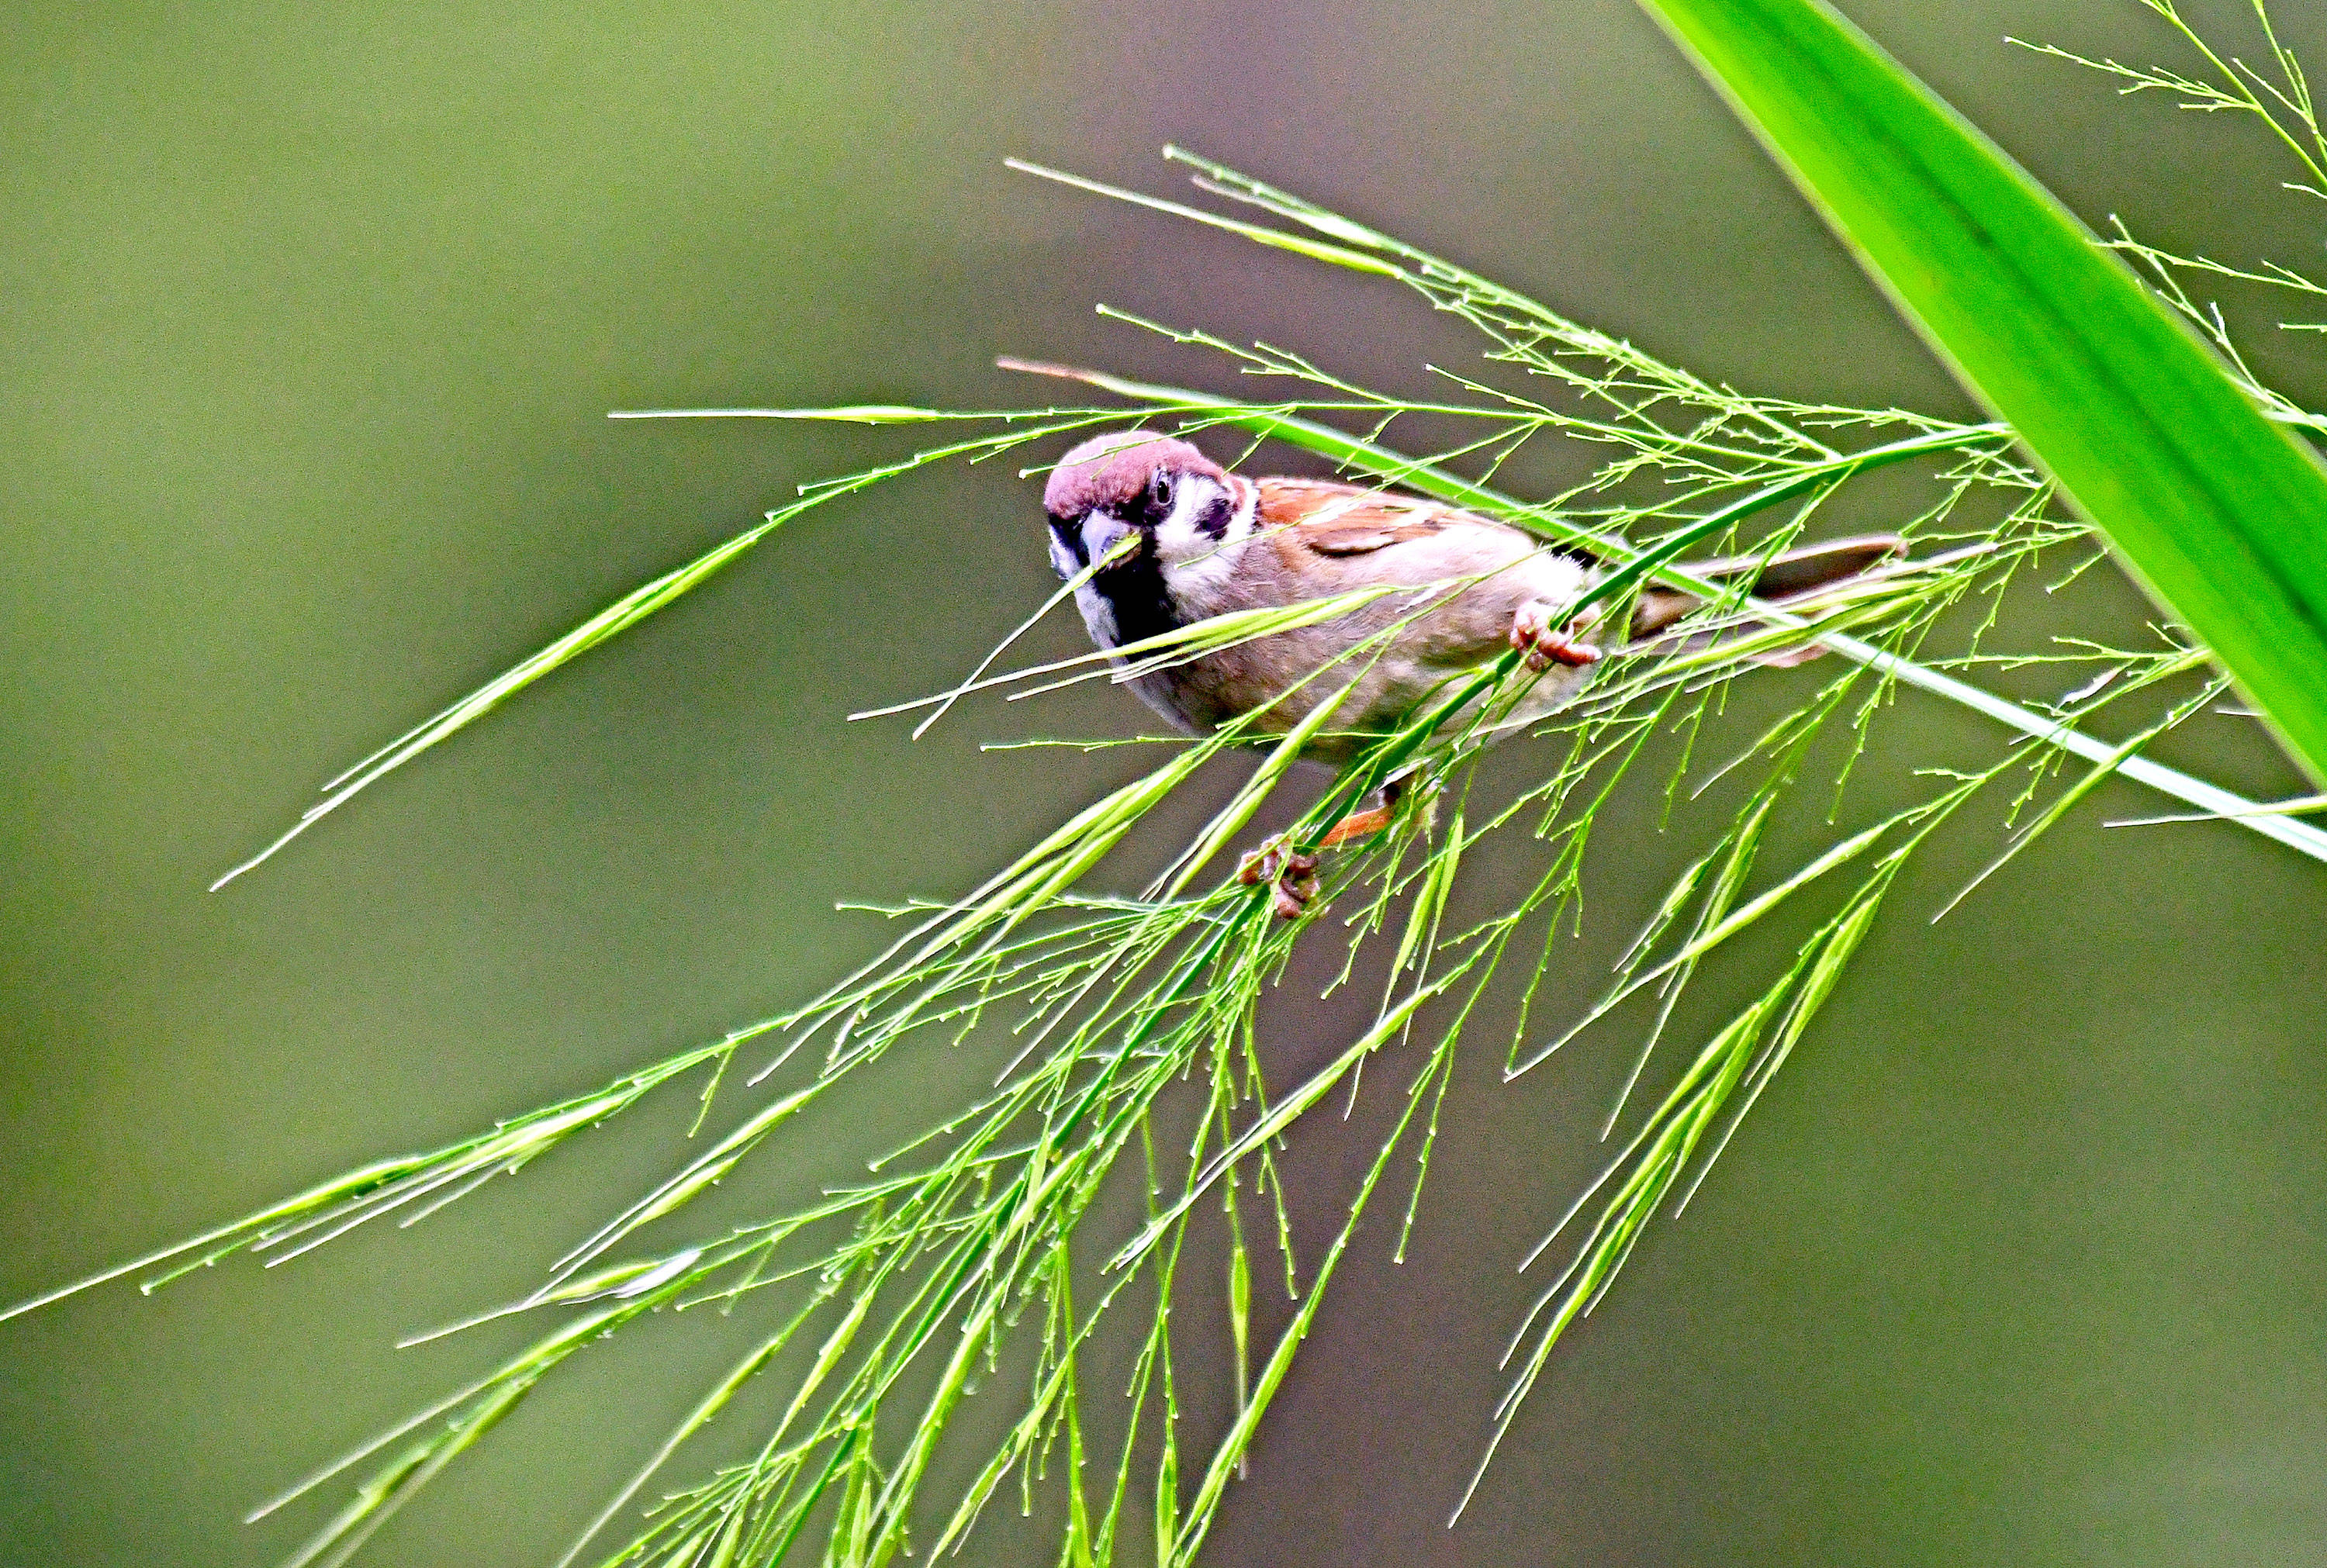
x: 1109, y: 470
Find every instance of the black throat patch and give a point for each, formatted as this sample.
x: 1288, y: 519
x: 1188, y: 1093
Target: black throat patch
x: 1135, y: 591
x: 1134, y: 588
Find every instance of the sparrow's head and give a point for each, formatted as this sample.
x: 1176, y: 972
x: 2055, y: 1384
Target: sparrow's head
x: 1178, y: 501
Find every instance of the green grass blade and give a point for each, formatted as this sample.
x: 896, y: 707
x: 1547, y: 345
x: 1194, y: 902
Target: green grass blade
x: 638, y: 603
x: 2218, y: 511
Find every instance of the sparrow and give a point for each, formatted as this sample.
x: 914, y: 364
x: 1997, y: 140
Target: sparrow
x: 1178, y: 539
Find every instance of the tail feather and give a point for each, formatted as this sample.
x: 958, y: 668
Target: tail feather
x: 1791, y: 575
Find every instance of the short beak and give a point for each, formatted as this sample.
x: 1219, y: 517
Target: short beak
x: 1102, y: 534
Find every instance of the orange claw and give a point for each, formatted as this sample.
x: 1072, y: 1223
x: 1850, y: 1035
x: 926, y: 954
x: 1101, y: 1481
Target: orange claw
x: 1545, y: 647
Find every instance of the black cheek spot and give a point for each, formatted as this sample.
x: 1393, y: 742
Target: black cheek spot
x: 1214, y: 519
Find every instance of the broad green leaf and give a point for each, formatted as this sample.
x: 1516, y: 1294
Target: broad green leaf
x: 2218, y: 510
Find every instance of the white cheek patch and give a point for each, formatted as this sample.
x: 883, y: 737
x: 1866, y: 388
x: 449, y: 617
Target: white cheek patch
x: 1196, y: 566
x: 1062, y: 560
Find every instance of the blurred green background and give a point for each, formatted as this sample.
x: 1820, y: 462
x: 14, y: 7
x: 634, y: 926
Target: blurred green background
x: 312, y: 314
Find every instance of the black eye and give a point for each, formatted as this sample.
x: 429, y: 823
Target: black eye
x: 1159, y: 491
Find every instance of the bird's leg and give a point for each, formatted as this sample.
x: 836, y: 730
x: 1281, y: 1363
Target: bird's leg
x: 1544, y: 645
x: 1365, y: 824
x: 1357, y: 824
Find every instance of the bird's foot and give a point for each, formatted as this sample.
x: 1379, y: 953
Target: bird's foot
x: 1291, y: 878
x: 1544, y: 645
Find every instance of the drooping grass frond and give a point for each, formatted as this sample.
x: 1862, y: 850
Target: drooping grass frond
x: 1131, y: 1107
x: 2280, y: 98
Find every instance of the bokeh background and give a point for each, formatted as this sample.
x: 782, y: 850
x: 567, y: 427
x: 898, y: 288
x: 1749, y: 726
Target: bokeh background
x: 312, y: 313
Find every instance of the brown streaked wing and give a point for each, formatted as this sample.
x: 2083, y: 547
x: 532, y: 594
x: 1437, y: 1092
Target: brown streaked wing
x: 1345, y: 519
